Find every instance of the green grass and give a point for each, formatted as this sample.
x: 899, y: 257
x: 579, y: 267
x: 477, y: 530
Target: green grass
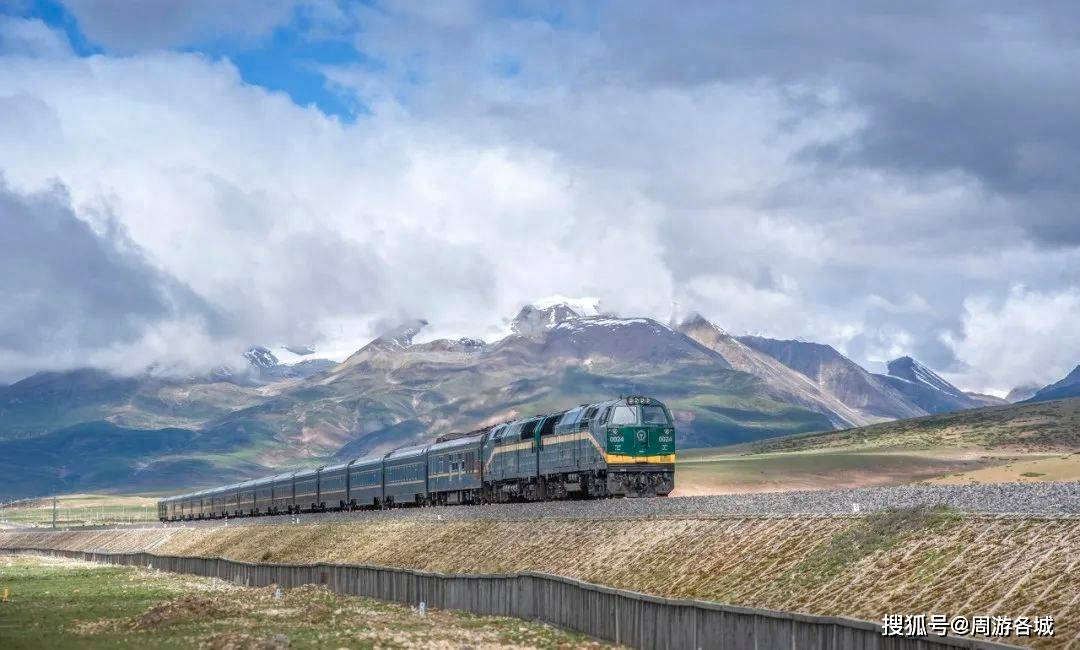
x: 46, y: 602
x: 58, y: 603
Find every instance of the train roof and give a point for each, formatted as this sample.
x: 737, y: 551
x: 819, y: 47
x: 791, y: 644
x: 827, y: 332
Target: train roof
x: 334, y: 468
x: 305, y: 473
x: 454, y: 435
x: 407, y: 452
x: 367, y: 460
x: 453, y: 443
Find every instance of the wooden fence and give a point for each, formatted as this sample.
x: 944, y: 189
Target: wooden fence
x: 624, y: 617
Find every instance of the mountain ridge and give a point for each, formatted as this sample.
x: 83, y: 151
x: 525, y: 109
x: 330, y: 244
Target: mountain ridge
x: 855, y: 386
x: 395, y: 391
x: 1068, y: 386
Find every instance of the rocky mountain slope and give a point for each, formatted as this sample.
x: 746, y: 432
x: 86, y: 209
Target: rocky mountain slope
x: 1069, y: 386
x: 553, y: 358
x: 783, y: 383
x: 929, y: 391
x: 1022, y: 392
x: 872, y: 397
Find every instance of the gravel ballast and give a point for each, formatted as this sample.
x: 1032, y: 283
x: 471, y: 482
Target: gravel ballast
x: 1040, y: 499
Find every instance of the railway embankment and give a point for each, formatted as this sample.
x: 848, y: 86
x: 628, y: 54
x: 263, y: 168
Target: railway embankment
x: 916, y: 561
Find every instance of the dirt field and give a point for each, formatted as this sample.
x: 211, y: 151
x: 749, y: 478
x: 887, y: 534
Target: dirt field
x: 920, y: 562
x: 717, y: 471
x: 1023, y: 469
x: 58, y: 603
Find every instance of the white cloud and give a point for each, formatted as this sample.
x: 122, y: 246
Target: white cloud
x: 466, y: 192
x: 1030, y: 337
x: 159, y: 24
x: 28, y: 37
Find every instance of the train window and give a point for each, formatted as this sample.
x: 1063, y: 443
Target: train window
x: 654, y: 414
x: 548, y: 427
x: 605, y: 416
x: 528, y: 429
x: 623, y: 415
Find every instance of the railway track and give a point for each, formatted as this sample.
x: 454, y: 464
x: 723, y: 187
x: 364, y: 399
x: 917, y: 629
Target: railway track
x: 1025, y: 499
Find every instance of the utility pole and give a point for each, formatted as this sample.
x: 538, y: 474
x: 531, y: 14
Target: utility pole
x: 54, y: 511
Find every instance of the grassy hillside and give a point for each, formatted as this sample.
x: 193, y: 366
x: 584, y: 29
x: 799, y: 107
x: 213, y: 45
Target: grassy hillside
x: 1041, y: 427
x: 1015, y: 443
x: 50, y: 401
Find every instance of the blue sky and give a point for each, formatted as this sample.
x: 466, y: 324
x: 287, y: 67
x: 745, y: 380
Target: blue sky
x: 888, y: 181
x: 286, y: 59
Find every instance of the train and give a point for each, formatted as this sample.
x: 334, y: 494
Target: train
x: 623, y: 447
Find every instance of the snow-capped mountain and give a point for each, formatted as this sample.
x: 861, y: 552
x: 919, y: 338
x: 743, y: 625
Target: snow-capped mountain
x: 260, y: 357
x: 265, y: 367
x: 580, y: 306
x: 535, y: 321
x: 929, y: 390
x: 911, y: 370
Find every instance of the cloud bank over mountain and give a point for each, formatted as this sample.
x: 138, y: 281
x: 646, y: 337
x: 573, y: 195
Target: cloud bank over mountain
x: 886, y: 183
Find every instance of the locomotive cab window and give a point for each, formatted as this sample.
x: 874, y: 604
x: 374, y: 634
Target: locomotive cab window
x: 570, y: 417
x: 548, y: 427
x: 623, y: 415
x: 654, y: 415
x: 528, y: 429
